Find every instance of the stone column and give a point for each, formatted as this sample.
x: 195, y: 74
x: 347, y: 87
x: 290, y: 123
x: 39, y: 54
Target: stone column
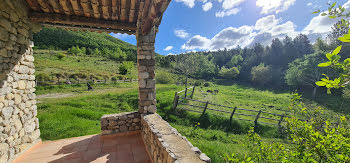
x: 146, y: 72
x: 19, y: 126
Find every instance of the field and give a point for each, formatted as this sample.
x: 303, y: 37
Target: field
x: 79, y: 113
x: 82, y: 67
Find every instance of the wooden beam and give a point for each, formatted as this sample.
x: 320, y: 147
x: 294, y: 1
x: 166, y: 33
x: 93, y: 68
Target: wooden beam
x: 55, y: 6
x: 82, y: 21
x: 67, y: 8
x: 76, y: 8
x: 105, y: 9
x: 44, y: 6
x: 95, y: 9
x: 133, y: 10
x: 85, y: 4
x: 114, y: 10
x: 123, y: 11
x: 92, y: 29
x: 33, y: 5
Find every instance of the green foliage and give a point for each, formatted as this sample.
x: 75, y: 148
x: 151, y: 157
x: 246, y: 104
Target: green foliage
x: 261, y: 74
x: 207, y: 84
x: 126, y: 67
x: 230, y: 73
x: 164, y: 77
x: 60, y: 55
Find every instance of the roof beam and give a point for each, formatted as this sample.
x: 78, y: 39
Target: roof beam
x: 80, y: 21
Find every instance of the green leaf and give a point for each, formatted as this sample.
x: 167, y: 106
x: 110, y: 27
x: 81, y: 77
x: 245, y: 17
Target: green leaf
x: 325, y: 64
x: 317, y: 11
x: 320, y: 83
x: 323, y: 14
x: 333, y: 4
x: 332, y: 16
x: 329, y: 56
x: 336, y: 50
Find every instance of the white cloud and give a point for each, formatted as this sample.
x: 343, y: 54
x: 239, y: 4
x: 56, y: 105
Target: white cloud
x: 197, y: 42
x: 120, y: 36
x: 277, y: 6
x: 266, y: 23
x: 168, y: 48
x: 181, y: 33
x: 228, y: 4
x: 188, y: 3
x: 207, y: 6
x: 309, y: 4
x: 233, y: 11
x: 319, y: 24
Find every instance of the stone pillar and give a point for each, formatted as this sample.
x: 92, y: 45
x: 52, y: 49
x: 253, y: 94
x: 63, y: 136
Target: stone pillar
x: 146, y: 72
x: 19, y: 126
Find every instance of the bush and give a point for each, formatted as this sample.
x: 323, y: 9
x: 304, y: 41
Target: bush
x: 164, y: 77
x: 42, y: 77
x: 207, y: 84
x: 60, y: 55
x: 228, y: 73
x: 126, y: 67
x: 198, y: 82
x: 261, y: 74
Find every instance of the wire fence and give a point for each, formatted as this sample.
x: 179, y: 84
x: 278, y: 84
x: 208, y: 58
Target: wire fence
x: 183, y: 100
x: 72, y: 82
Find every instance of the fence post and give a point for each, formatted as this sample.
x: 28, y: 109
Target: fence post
x: 205, y: 109
x: 280, y: 121
x: 192, y: 92
x: 256, y: 119
x: 176, y: 101
x: 185, y: 93
x: 233, y: 112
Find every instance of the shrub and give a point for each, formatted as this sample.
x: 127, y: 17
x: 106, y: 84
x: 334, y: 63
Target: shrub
x: 261, y: 74
x: 228, y: 73
x: 42, y: 77
x: 126, y: 67
x: 164, y: 77
x: 207, y: 84
x: 198, y: 82
x: 60, y: 55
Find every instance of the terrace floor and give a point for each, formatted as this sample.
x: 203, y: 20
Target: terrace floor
x: 125, y: 148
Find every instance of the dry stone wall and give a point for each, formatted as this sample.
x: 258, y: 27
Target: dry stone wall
x: 119, y: 123
x: 166, y: 145
x: 19, y: 127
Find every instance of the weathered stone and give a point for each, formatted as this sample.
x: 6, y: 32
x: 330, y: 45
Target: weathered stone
x: 143, y: 75
x: 21, y: 84
x: 3, y: 51
x: 136, y: 120
x: 29, y: 127
x: 123, y: 128
x: 7, y: 112
x: 4, y: 35
x: 204, y: 158
x: 5, y: 23
x: 18, y: 99
x: 4, y: 147
x: 35, y: 135
x: 18, y: 124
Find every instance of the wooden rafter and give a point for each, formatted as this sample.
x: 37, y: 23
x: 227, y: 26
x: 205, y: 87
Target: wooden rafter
x: 85, y: 4
x: 82, y: 21
x: 93, y: 29
x: 67, y: 8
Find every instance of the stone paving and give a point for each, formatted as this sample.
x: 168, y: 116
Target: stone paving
x: 121, y: 148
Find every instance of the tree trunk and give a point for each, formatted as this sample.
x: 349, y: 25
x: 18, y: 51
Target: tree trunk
x: 314, y: 92
x: 186, y: 79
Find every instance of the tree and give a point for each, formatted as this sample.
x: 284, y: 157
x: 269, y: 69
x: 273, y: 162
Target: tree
x: 321, y: 45
x: 303, y: 45
x: 230, y: 73
x: 126, y: 67
x: 261, y: 74
x: 304, y: 72
x: 186, y: 65
x: 290, y: 52
x: 235, y: 61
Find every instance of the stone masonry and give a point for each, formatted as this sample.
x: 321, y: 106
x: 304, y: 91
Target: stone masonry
x: 119, y: 123
x: 19, y: 127
x: 146, y: 69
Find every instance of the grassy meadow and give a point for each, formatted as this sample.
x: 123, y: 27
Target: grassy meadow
x: 79, y: 114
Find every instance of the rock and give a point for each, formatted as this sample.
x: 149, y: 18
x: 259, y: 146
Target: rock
x: 4, y: 35
x: 204, y: 158
x: 18, y: 124
x: 3, y: 51
x: 136, y: 120
x: 106, y: 132
x: 196, y: 150
x: 35, y: 135
x: 143, y: 75
x: 5, y: 23
x: 142, y: 83
x: 18, y: 99
x: 4, y: 147
x: 22, y: 84
x: 123, y: 117
x: 123, y: 128
x: 7, y: 112
x: 23, y: 69
x: 29, y: 127
x: 152, y: 108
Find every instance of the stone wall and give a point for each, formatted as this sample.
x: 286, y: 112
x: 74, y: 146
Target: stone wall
x: 119, y: 123
x: 146, y: 68
x: 166, y: 145
x: 19, y: 127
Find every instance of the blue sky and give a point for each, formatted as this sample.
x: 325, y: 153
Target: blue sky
x: 198, y: 25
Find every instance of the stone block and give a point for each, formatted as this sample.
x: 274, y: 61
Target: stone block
x: 5, y: 24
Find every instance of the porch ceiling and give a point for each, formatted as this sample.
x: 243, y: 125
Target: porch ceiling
x: 119, y: 16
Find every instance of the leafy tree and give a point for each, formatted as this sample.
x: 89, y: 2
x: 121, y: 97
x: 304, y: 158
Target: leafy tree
x: 126, y: 67
x: 321, y: 45
x: 230, y: 73
x: 60, y: 55
x: 261, y: 74
x: 303, y: 45
x: 235, y: 61
x: 304, y: 72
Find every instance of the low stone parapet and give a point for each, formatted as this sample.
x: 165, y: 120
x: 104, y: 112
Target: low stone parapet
x: 165, y: 144
x: 120, y: 123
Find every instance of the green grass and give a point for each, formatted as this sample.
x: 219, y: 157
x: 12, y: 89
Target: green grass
x: 85, y: 66
x: 80, y: 115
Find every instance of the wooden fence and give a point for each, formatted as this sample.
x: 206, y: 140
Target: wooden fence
x: 185, y: 99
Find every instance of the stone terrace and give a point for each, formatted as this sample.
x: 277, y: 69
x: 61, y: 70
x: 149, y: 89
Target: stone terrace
x: 119, y: 148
